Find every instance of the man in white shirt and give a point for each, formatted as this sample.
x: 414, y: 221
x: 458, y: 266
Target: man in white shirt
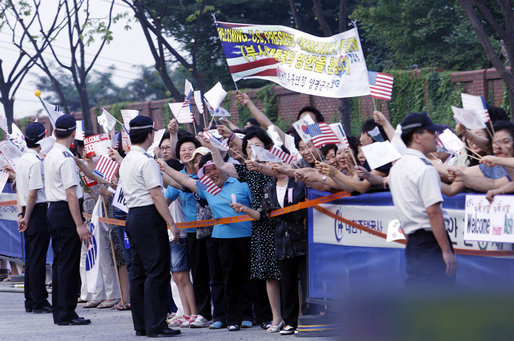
x: 67, y: 228
x: 32, y: 220
x: 416, y: 191
x: 147, y: 233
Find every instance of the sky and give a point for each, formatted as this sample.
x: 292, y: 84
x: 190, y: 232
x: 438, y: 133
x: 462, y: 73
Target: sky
x: 127, y: 50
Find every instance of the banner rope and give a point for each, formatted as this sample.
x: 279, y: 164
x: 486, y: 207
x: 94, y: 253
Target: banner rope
x: 237, y: 218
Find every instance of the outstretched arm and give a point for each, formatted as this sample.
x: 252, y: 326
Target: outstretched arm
x: 183, y: 179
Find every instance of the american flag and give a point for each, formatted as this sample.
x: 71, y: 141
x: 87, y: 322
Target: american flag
x: 106, y: 168
x: 287, y: 158
x: 321, y: 134
x: 206, y: 184
x: 244, y: 60
x: 380, y: 85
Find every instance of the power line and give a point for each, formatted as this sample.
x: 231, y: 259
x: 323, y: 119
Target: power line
x: 133, y: 73
x: 87, y: 53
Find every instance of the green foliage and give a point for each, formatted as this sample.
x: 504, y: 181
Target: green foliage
x: 115, y: 110
x: 413, y: 91
x: 269, y: 102
x: 103, y: 91
x: 399, y: 34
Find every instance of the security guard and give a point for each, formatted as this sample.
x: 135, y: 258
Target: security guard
x: 416, y: 191
x: 146, y: 229
x: 32, y: 220
x: 67, y: 229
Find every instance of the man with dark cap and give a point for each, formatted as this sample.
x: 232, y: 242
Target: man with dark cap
x: 146, y: 228
x: 67, y: 229
x: 416, y: 191
x: 32, y: 220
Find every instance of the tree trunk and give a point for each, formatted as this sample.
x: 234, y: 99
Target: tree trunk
x: 58, y: 89
x: 8, y: 104
x: 86, y: 110
x: 345, y: 114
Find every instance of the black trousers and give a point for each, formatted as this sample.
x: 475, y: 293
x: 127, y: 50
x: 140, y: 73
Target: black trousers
x: 425, y: 265
x: 292, y: 269
x: 37, y: 239
x: 66, y: 246
x: 150, y: 256
x: 197, y: 250
x: 258, y: 294
x: 216, y: 280
x: 234, y: 257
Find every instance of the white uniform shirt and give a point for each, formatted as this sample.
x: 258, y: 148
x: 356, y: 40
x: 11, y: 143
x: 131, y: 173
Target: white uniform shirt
x: 139, y: 173
x: 30, y: 176
x: 60, y: 174
x: 415, y: 185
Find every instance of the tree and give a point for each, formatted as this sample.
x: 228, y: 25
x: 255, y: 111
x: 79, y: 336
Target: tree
x: 18, y: 21
x: 403, y: 34
x: 82, y: 31
x: 103, y: 91
x: 505, y: 32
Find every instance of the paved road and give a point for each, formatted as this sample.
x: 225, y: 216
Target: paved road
x: 110, y: 325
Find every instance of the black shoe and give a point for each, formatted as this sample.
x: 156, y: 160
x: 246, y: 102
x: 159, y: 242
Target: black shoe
x: 140, y: 333
x: 45, y: 310
x: 166, y: 332
x: 79, y: 321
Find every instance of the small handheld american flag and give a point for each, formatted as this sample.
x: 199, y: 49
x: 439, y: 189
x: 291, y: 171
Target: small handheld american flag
x: 321, y: 134
x: 287, y: 158
x: 206, y: 184
x: 106, y: 168
x: 380, y: 85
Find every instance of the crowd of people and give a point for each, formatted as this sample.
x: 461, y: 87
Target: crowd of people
x: 230, y: 275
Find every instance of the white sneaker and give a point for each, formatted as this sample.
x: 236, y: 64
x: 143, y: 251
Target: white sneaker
x: 199, y: 322
x: 176, y: 321
x: 187, y: 320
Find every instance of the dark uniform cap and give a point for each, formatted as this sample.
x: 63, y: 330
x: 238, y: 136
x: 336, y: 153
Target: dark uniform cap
x: 34, y: 132
x: 141, y: 122
x: 416, y: 120
x: 65, y: 122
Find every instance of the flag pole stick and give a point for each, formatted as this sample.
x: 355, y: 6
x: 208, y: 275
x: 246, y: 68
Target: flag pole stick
x: 44, y: 106
x: 374, y: 104
x: 113, y: 254
x: 115, y: 118
x: 471, y: 150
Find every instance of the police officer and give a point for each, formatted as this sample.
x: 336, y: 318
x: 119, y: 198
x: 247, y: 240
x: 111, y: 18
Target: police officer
x: 67, y: 229
x: 146, y: 228
x: 416, y: 191
x: 32, y: 220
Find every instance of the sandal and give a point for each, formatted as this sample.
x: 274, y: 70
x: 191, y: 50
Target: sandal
x: 120, y: 306
x: 92, y: 304
x: 107, y: 304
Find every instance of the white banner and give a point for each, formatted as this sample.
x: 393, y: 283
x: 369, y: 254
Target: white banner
x: 322, y: 66
x: 94, y: 278
x: 328, y: 230
x: 490, y: 222
x: 119, y: 199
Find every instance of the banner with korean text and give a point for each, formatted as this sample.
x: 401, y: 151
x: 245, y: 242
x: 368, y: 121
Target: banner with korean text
x: 322, y: 66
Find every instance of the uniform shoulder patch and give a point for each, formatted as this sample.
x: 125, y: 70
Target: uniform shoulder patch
x: 67, y: 154
x: 148, y: 155
x: 426, y: 161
